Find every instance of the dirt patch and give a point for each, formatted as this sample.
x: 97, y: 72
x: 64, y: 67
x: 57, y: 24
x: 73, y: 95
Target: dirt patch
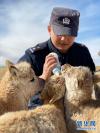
x: 97, y: 68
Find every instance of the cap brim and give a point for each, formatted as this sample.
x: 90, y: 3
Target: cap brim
x: 60, y: 30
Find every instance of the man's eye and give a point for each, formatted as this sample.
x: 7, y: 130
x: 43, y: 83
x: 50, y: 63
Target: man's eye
x: 32, y: 79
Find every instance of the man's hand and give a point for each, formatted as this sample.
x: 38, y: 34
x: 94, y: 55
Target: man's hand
x: 50, y: 63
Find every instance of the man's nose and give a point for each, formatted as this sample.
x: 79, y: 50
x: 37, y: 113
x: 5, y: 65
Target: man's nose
x: 62, y: 38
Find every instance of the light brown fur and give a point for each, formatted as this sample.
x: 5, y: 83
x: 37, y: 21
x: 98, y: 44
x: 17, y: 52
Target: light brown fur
x: 78, y: 99
x: 50, y: 118
x: 45, y: 119
x: 16, y: 87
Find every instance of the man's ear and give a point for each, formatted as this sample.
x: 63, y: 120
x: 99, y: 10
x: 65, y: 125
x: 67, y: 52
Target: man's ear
x: 49, y: 29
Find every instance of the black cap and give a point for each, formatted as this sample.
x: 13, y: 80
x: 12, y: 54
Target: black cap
x: 65, y: 21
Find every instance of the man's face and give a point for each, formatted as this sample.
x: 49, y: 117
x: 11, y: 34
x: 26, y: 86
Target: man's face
x: 63, y: 42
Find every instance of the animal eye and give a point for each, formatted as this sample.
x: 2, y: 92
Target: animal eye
x: 32, y: 79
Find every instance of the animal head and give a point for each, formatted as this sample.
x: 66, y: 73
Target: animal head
x: 21, y: 78
x: 79, y: 82
x: 54, y: 89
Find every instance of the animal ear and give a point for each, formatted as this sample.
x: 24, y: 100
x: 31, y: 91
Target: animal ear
x: 96, y: 78
x: 65, y: 67
x: 8, y: 63
x: 54, y: 99
x: 12, y: 69
x: 45, y: 96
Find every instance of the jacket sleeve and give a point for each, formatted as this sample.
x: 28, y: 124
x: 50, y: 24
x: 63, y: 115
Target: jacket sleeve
x: 26, y: 58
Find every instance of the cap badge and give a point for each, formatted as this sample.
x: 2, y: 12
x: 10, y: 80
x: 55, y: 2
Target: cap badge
x: 66, y: 21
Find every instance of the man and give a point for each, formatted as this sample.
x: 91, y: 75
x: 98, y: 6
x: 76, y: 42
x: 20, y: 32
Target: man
x: 63, y: 29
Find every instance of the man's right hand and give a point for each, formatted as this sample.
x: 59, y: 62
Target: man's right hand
x: 50, y: 63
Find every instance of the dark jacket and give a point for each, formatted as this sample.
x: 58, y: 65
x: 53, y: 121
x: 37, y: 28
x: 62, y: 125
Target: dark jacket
x: 77, y: 55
